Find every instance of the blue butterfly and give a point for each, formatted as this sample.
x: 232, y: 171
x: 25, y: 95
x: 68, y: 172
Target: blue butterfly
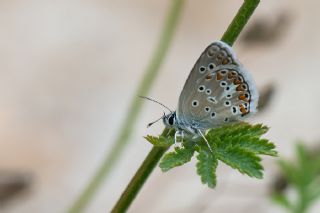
x: 218, y: 91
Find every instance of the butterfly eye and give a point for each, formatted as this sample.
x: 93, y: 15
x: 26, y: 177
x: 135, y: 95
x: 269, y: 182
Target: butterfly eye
x: 171, y: 120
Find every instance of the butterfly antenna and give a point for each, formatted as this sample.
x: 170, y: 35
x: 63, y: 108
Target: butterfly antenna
x: 204, y: 138
x: 150, y: 99
x: 156, y: 120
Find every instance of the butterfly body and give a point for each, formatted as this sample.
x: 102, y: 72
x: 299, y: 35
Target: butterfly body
x: 218, y: 91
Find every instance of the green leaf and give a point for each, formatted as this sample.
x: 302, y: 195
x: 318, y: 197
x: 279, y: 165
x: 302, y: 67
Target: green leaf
x: 237, y: 130
x: 160, y: 141
x: 237, y: 145
x: 302, y: 176
x: 314, y: 190
x: 243, y: 135
x: 178, y: 157
x: 282, y: 200
x: 256, y: 145
x: 206, y: 167
x: 242, y: 160
x: 289, y: 171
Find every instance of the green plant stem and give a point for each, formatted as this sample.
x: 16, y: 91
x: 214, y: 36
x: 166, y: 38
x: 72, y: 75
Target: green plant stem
x: 239, y: 21
x: 234, y: 29
x: 139, y: 179
x: 134, y: 109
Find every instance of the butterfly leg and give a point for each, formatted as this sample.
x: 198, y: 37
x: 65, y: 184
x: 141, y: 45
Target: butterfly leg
x: 204, y: 138
x: 178, y: 137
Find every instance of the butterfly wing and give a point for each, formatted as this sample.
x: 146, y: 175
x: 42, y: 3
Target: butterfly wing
x: 217, y: 90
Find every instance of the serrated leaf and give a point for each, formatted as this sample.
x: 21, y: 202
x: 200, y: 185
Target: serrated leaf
x: 242, y: 160
x: 256, y: 145
x: 237, y: 130
x: 178, y: 157
x: 237, y: 145
x: 160, y: 141
x: 206, y: 168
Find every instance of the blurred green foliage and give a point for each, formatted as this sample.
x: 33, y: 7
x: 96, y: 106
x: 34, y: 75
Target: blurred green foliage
x: 302, y: 177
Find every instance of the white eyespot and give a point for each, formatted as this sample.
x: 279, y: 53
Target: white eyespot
x: 234, y: 73
x: 213, y: 114
x: 223, y: 72
x: 195, y: 103
x: 207, y: 109
x: 226, y: 119
x: 208, y: 91
x: 212, y: 99
x: 223, y: 83
x: 240, y: 78
x: 246, y: 106
x: 244, y: 86
x: 201, y: 88
x: 234, y: 110
x: 229, y: 96
x: 227, y: 103
x: 202, y: 69
x: 211, y: 66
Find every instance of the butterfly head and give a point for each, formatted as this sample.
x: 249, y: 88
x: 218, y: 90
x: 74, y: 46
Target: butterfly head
x: 169, y: 119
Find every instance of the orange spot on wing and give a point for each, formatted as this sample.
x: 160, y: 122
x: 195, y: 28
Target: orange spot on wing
x: 243, y: 110
x: 219, y: 76
x: 242, y: 97
x: 209, y: 77
x: 230, y: 76
x: 240, y: 88
x: 225, y: 61
x: 237, y: 81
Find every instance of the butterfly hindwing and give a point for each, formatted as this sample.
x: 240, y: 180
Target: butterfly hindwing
x: 218, y: 90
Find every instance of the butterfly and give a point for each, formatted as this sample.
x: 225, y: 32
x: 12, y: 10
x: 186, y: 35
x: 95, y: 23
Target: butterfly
x: 218, y: 91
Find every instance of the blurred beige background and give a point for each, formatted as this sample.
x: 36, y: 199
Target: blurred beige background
x: 69, y: 69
